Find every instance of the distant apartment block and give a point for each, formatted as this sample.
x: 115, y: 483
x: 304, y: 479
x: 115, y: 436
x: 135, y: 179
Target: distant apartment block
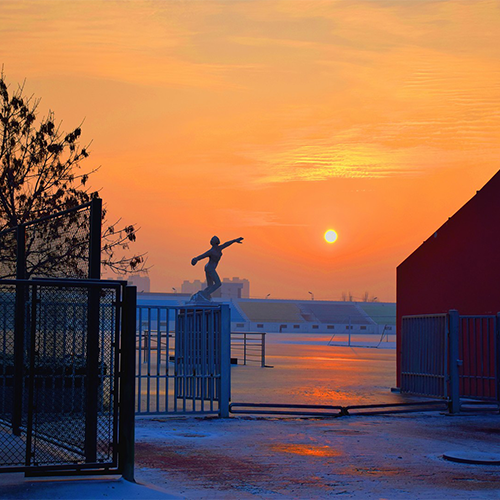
x: 234, y: 288
x: 229, y: 290
x: 191, y: 287
x: 245, y: 289
x: 142, y: 283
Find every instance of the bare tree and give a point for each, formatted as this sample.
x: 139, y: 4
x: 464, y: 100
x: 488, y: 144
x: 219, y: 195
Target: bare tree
x: 40, y: 174
x: 347, y: 297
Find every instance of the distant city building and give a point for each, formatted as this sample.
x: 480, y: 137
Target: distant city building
x: 192, y: 286
x: 245, y: 290
x: 234, y: 288
x: 142, y: 283
x: 229, y: 290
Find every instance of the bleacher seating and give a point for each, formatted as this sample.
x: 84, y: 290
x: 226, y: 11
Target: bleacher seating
x: 381, y: 313
x: 270, y: 311
x: 335, y: 313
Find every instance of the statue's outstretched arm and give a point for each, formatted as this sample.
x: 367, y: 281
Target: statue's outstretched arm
x: 225, y: 245
x: 202, y: 256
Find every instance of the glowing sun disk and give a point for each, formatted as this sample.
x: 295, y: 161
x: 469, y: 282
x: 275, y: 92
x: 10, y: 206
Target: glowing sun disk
x: 331, y: 236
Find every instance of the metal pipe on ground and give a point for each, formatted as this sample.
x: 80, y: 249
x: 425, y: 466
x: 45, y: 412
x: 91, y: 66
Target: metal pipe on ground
x: 323, y: 410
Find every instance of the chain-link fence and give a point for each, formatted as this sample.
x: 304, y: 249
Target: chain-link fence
x: 59, y: 373
x: 56, y: 246
x: 8, y: 253
x: 12, y: 445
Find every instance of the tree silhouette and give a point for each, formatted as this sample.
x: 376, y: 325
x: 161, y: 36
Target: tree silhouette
x: 40, y: 175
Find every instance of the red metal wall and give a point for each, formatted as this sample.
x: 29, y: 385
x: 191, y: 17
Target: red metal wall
x: 458, y: 267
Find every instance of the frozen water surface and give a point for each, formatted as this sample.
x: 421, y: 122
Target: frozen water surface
x: 307, y: 370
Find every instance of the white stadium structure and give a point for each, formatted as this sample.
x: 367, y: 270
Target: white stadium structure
x: 295, y: 316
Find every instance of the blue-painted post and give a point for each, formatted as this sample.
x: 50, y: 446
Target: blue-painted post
x: 263, y: 351
x: 225, y: 361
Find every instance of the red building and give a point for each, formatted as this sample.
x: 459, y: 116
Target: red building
x: 458, y: 267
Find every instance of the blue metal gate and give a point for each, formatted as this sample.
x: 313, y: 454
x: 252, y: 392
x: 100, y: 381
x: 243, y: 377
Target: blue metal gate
x: 183, y: 360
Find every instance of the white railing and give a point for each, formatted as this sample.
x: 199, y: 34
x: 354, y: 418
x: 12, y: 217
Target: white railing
x: 250, y: 347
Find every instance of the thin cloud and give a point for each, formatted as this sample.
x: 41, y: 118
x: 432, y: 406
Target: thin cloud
x: 240, y: 217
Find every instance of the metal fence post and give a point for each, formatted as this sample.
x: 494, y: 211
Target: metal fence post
x: 349, y: 331
x: 19, y: 330
x: 225, y: 361
x: 95, y: 239
x: 92, y: 373
x: 245, y: 348
x: 497, y: 358
x: 93, y: 332
x: 126, y: 455
x: 454, y: 328
x: 263, y: 351
x: 31, y: 378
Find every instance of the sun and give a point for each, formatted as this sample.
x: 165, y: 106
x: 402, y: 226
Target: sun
x: 331, y: 236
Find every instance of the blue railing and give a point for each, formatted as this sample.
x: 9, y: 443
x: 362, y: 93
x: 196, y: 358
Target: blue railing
x: 183, y: 356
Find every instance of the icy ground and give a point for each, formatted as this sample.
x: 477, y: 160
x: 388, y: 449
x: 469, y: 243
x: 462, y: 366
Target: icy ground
x: 371, y: 457
x: 396, y: 456
x: 15, y: 486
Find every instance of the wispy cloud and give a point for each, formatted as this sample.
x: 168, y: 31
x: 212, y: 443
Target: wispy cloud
x: 246, y: 218
x: 262, y: 92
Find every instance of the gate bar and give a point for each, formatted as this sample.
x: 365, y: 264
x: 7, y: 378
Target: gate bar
x: 95, y: 239
x: 92, y: 376
x: 225, y: 360
x: 497, y: 354
x: 127, y: 386
x: 19, y: 329
x: 454, y: 376
x: 31, y: 380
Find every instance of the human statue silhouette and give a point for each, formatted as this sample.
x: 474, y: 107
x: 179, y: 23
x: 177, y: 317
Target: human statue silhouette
x: 214, y: 255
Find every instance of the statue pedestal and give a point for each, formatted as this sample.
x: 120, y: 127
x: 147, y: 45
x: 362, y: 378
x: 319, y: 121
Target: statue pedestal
x: 200, y: 300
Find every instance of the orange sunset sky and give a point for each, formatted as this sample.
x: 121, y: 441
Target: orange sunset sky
x: 275, y: 121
